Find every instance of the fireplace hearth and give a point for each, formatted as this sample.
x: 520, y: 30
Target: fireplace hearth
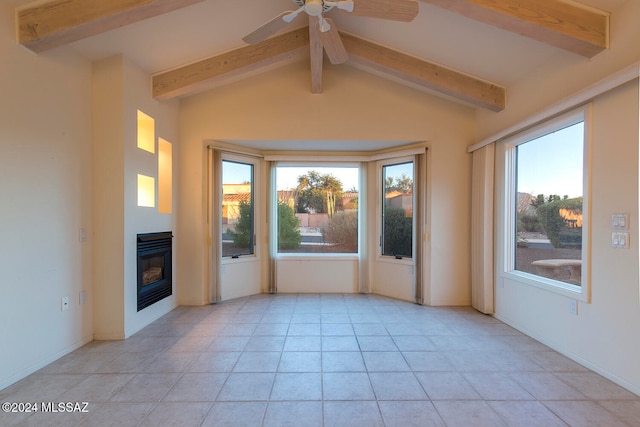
x: 154, y: 267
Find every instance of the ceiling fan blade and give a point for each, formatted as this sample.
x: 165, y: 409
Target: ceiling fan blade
x: 394, y: 10
x: 332, y: 43
x: 268, y: 29
x: 317, y: 54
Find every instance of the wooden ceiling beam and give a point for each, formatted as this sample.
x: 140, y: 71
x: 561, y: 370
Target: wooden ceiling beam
x: 230, y: 65
x: 426, y: 74
x: 44, y: 26
x: 234, y: 64
x: 566, y: 25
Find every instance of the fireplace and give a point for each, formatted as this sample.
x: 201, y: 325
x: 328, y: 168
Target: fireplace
x: 154, y: 267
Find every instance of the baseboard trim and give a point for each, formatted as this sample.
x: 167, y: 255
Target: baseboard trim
x: 595, y: 368
x: 6, y: 382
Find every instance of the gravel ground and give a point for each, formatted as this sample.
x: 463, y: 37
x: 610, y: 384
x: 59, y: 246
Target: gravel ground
x: 525, y: 256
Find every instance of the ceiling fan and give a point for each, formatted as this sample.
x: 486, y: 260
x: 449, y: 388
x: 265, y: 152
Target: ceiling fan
x: 395, y: 10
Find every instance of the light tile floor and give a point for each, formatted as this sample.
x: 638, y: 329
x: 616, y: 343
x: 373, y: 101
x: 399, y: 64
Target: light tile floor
x: 314, y: 360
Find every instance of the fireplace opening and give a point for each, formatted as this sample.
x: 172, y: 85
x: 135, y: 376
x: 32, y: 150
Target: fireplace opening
x: 154, y: 267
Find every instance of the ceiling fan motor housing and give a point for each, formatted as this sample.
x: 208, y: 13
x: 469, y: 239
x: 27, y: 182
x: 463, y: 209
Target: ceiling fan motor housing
x: 317, y: 6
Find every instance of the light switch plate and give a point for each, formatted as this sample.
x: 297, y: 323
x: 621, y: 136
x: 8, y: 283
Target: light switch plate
x: 620, y: 239
x: 620, y: 221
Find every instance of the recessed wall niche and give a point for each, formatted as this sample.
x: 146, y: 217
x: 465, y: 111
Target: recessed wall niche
x: 146, y: 132
x: 165, y: 176
x: 146, y: 191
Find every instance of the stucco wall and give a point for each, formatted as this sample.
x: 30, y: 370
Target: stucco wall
x: 603, y: 335
x: 45, y: 199
x: 354, y: 105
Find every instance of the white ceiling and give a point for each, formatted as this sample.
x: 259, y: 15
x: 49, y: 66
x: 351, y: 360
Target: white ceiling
x: 214, y: 26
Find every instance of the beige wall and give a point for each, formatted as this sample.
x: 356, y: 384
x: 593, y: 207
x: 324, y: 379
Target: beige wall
x: 604, y: 334
x: 45, y: 199
x: 278, y: 105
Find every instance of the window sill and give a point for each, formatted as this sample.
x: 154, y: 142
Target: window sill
x: 561, y: 288
x: 240, y: 259
x: 394, y: 260
x: 318, y: 257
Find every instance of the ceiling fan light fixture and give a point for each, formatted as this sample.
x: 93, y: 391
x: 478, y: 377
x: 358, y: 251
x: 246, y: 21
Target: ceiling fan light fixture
x: 313, y: 7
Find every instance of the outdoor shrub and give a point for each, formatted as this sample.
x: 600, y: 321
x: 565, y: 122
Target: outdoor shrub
x: 343, y: 229
x: 242, y: 236
x: 556, y: 227
x: 571, y: 238
x: 398, y: 233
x: 529, y: 222
x: 288, y: 234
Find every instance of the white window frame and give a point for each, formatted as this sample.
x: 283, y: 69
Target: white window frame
x: 379, y: 190
x: 273, y: 206
x: 506, y: 206
x: 239, y: 158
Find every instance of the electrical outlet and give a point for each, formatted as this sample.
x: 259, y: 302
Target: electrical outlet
x: 572, y: 307
x: 65, y: 303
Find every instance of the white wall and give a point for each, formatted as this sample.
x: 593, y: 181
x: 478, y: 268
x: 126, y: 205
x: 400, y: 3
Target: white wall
x: 120, y: 90
x: 137, y: 96
x: 604, y: 334
x: 320, y: 274
x: 45, y: 199
x: 240, y: 278
x: 354, y: 105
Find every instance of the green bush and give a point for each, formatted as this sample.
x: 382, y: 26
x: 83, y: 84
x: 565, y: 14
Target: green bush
x: 529, y: 222
x: 288, y: 234
x: 398, y: 233
x: 243, y: 234
x: 342, y: 229
x: 556, y: 227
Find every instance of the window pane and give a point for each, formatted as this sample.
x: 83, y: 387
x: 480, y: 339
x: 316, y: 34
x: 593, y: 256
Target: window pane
x: 549, y: 205
x: 397, y: 210
x: 317, y: 209
x: 237, y: 209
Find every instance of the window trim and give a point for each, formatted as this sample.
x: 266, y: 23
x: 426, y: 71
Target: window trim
x: 273, y: 206
x: 253, y: 162
x: 380, y: 164
x: 506, y: 204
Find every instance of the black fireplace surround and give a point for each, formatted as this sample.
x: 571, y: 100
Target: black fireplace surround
x: 154, y: 267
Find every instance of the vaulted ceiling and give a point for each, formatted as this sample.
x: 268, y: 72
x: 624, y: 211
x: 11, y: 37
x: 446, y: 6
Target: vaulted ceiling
x: 466, y: 50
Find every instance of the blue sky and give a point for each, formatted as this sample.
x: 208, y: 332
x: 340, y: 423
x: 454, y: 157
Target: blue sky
x: 235, y: 173
x: 287, y: 176
x: 552, y: 164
